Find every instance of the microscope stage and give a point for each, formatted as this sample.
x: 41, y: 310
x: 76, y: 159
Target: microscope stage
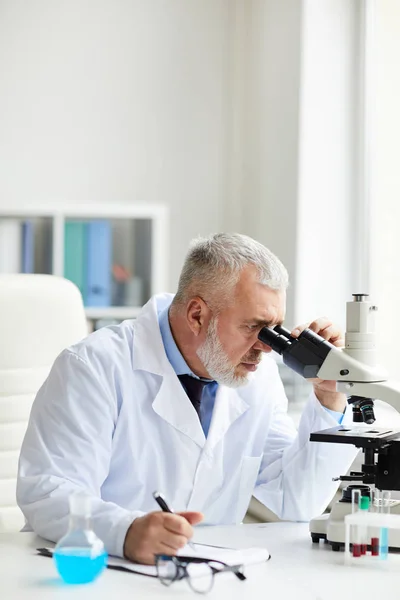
x: 360, y: 436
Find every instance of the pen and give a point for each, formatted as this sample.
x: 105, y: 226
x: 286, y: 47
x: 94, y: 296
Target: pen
x: 162, y: 503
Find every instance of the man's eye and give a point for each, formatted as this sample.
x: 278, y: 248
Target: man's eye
x: 252, y: 327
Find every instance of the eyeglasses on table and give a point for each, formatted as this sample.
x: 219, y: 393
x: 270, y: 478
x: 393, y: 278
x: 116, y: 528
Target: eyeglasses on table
x: 199, y: 572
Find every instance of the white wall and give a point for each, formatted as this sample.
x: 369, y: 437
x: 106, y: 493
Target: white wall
x: 327, y: 233
x: 385, y: 239
x: 117, y: 101
x: 215, y: 108
x: 271, y: 80
x: 299, y: 164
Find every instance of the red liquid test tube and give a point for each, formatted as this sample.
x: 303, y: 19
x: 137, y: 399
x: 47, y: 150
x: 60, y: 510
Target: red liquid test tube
x: 375, y: 546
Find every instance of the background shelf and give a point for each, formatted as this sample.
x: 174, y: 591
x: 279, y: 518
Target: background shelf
x: 136, y: 263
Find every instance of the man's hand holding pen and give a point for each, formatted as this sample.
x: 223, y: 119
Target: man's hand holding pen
x: 159, y: 533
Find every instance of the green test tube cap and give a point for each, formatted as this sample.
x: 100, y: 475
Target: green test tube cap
x: 363, y: 503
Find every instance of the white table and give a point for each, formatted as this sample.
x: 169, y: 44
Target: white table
x: 298, y: 570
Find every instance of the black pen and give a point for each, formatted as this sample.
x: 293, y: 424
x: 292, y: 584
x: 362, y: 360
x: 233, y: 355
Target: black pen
x: 162, y: 503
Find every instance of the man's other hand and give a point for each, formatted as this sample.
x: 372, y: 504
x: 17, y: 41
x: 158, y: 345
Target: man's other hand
x: 325, y: 390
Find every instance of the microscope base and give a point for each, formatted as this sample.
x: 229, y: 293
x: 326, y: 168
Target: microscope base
x: 330, y: 526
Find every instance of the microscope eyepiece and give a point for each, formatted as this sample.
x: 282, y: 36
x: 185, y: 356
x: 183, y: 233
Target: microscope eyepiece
x: 304, y: 354
x: 273, y: 339
x: 283, y: 331
x: 313, y: 337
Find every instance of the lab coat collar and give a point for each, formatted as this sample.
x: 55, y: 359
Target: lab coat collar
x: 171, y: 402
x: 148, y: 348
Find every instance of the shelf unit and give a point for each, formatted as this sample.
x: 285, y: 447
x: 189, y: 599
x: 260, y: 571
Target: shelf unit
x: 140, y: 231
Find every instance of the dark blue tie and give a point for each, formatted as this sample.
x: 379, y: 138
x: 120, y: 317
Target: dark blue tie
x: 194, y: 389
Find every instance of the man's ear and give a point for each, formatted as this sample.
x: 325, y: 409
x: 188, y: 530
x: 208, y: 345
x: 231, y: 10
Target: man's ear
x: 197, y: 314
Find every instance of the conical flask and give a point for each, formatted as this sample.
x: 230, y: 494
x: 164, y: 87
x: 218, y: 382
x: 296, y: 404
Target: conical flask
x: 79, y: 555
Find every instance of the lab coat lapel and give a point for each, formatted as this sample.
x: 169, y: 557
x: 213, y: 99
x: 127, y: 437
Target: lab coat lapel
x: 173, y: 405
x: 229, y: 406
x: 170, y: 402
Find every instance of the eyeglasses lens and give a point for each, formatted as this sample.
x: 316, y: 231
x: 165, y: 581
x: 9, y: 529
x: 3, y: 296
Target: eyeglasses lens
x: 167, y: 570
x: 200, y: 577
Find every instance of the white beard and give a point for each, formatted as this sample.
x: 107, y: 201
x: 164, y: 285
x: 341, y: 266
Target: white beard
x: 216, y: 361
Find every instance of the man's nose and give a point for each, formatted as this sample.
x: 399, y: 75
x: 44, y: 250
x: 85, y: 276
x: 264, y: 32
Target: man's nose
x: 260, y: 346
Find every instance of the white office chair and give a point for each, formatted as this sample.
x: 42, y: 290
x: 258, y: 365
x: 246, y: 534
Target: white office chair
x: 40, y: 315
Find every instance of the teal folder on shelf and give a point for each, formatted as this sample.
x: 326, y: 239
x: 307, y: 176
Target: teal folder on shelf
x: 75, y: 258
x: 99, y: 257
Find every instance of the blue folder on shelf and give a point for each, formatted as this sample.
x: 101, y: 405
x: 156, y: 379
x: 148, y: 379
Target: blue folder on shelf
x: 27, y: 255
x: 99, y: 257
x: 75, y: 254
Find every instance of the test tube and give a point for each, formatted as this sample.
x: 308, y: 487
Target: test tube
x: 355, y: 499
x: 363, y: 506
x: 356, y: 547
x: 374, y: 532
x: 375, y: 546
x: 384, y: 508
x: 380, y: 536
x: 360, y: 539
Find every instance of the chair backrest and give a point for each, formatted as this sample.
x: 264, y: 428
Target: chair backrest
x: 40, y: 315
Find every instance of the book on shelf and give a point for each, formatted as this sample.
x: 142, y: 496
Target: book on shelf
x: 27, y: 248
x: 99, y: 257
x: 87, y: 259
x: 75, y: 254
x: 17, y: 246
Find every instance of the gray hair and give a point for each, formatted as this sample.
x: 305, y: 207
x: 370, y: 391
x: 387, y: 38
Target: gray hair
x: 213, y: 264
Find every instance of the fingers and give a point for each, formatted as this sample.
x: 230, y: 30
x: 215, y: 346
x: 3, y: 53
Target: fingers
x: 299, y: 329
x: 193, y: 517
x: 328, y: 330
x: 323, y: 327
x: 178, y: 528
x: 178, y: 525
x: 320, y: 324
x: 332, y: 334
x: 173, y: 541
x: 165, y: 548
x: 147, y: 554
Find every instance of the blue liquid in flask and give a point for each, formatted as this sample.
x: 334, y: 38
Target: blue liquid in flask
x: 80, y: 556
x: 76, y: 565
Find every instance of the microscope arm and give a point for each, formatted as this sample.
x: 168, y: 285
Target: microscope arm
x: 388, y: 391
x: 340, y: 366
x: 355, y: 378
x: 311, y: 356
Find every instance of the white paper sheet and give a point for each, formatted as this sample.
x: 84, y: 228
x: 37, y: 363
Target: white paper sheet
x: 247, y: 556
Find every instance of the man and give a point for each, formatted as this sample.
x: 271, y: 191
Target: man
x: 114, y: 417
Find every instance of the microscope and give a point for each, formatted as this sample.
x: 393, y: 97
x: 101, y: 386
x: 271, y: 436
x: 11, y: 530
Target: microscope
x: 357, y: 375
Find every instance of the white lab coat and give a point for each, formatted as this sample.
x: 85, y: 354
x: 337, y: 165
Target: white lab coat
x: 113, y: 419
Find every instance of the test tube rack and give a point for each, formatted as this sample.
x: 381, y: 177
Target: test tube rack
x: 376, y: 527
